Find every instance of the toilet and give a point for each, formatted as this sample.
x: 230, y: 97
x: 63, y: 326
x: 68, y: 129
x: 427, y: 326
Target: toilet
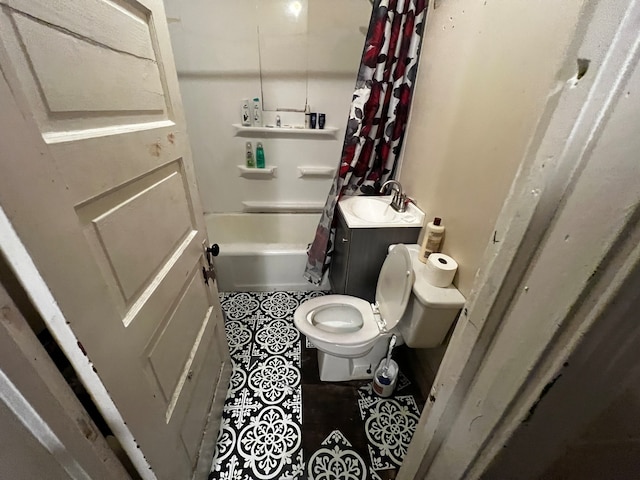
x: 352, y: 335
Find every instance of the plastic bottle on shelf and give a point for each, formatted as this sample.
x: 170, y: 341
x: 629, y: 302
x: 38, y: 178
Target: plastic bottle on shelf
x: 307, y: 116
x: 246, y: 113
x: 432, y: 239
x: 259, y: 155
x: 257, y: 113
x: 249, y: 160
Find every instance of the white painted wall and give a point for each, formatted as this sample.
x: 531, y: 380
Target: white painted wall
x: 486, y: 72
x: 216, y: 50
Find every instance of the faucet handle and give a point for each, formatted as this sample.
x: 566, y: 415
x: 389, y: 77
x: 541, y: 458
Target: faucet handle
x: 404, y: 201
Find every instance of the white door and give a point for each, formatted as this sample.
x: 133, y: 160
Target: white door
x: 97, y: 180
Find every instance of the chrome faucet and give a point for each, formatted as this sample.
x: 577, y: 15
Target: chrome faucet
x: 399, y: 200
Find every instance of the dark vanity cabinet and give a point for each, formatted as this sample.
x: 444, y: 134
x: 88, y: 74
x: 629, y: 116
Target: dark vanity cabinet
x: 359, y: 254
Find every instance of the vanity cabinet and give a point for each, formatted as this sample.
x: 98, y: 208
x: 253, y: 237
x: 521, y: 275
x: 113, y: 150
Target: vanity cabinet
x: 359, y: 254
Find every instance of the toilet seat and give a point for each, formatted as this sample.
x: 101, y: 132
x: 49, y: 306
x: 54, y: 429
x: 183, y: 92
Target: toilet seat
x: 342, y: 323
x: 343, y: 328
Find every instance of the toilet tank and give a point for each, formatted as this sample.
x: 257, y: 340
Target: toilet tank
x: 431, y: 310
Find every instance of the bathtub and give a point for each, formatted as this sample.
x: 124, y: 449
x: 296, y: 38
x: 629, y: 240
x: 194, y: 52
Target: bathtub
x: 262, y: 251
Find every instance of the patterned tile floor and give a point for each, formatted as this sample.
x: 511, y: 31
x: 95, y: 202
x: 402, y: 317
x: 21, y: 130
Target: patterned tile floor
x: 347, y: 433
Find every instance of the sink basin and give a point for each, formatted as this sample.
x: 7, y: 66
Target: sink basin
x: 370, y: 209
x: 375, y: 212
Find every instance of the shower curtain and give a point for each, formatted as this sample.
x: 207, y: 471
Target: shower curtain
x: 378, y: 115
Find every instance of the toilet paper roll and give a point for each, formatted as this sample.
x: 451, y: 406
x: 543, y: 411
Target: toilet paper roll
x: 440, y: 269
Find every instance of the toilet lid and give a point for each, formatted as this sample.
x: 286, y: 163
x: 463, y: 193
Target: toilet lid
x: 394, y: 285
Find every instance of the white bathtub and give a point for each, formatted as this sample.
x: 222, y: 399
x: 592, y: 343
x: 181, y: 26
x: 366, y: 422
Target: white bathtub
x: 262, y: 251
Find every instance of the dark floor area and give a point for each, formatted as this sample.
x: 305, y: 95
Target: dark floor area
x: 329, y: 406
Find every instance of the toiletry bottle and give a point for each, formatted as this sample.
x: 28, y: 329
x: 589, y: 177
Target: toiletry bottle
x: 246, y: 113
x: 259, y: 155
x: 307, y: 116
x: 432, y: 239
x: 257, y: 113
x: 322, y: 118
x: 250, y: 162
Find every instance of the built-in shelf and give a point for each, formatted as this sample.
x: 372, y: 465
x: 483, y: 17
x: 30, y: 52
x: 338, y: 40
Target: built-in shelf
x: 282, y: 207
x: 326, y: 132
x: 254, y: 172
x: 315, y: 172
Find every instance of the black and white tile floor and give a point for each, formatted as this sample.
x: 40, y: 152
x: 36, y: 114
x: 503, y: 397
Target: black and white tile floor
x: 336, y: 459
x: 389, y: 424
x: 262, y: 426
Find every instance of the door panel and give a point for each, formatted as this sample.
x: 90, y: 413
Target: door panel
x: 120, y: 26
x: 180, y: 333
x: 117, y: 230
x: 191, y: 430
x: 187, y: 410
x: 120, y: 80
x: 115, y: 81
x: 158, y: 217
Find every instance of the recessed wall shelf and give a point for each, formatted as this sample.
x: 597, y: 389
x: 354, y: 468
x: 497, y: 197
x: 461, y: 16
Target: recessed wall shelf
x: 282, y: 207
x: 326, y: 132
x: 315, y: 172
x: 257, y: 173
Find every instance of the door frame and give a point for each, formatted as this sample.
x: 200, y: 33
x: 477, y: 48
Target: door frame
x: 39, y: 397
x: 474, y: 409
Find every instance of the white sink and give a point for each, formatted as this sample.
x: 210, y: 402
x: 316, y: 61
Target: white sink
x: 376, y: 212
x: 370, y: 209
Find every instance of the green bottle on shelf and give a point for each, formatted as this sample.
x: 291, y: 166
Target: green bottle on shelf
x: 259, y: 155
x: 250, y: 162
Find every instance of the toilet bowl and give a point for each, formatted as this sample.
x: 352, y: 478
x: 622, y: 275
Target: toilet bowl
x: 348, y: 330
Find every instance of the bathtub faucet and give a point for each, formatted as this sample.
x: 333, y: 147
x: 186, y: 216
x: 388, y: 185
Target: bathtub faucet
x: 399, y: 200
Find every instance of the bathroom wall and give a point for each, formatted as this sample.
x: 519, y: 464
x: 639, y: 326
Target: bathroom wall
x: 216, y: 50
x: 486, y: 72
